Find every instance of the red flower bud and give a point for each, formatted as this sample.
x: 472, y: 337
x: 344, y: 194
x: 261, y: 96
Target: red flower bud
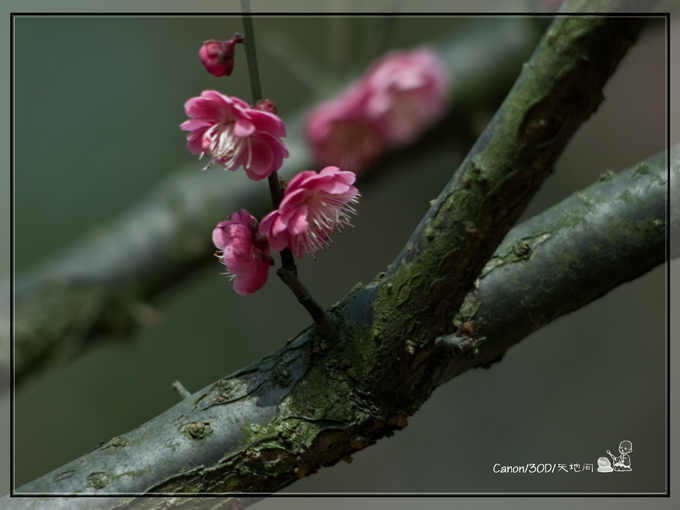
x: 218, y: 56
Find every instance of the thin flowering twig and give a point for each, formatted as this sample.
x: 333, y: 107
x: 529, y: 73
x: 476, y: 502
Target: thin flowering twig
x: 251, y: 55
x: 288, y: 271
x: 256, y: 89
x: 98, y: 260
x: 304, y: 297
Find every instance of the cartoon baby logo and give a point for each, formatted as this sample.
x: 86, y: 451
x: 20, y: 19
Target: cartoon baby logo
x: 621, y: 462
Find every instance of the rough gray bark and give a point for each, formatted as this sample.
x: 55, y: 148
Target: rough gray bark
x: 331, y: 392
x: 231, y: 431
x: 575, y: 252
x: 419, y: 296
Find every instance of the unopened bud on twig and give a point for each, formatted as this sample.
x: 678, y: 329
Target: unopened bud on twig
x: 218, y: 56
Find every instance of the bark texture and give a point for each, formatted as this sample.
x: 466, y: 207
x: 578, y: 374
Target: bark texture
x: 301, y: 408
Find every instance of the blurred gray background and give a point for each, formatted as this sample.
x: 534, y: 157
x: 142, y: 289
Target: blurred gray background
x: 97, y: 109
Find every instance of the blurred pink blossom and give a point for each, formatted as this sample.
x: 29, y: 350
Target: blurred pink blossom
x: 235, y: 134
x: 339, y: 132
x: 407, y: 93
x: 399, y: 96
x: 218, y: 56
x: 245, y: 252
x: 313, y: 206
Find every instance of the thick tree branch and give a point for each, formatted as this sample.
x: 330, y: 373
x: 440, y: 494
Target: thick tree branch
x: 417, y: 299
x: 577, y: 251
x: 101, y: 284
x: 324, y: 396
x: 231, y: 432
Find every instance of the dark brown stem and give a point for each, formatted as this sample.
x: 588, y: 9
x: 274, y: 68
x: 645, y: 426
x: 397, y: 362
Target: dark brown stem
x: 288, y: 270
x: 304, y: 297
x: 251, y: 54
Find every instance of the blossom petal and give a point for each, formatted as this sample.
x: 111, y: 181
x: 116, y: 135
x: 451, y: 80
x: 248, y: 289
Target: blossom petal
x: 204, y: 108
x: 193, y: 124
x: 267, y: 122
x: 243, y: 128
x: 195, y: 141
x: 261, y: 161
x: 252, y: 281
x: 298, y: 223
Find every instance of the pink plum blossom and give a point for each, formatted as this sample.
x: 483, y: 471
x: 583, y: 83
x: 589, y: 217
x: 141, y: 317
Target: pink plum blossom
x: 400, y: 95
x: 235, y: 134
x: 340, y: 133
x: 407, y: 93
x: 218, y: 56
x: 313, y: 206
x: 245, y: 252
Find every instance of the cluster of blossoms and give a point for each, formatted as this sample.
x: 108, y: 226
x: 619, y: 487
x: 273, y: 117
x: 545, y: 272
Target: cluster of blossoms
x: 399, y: 96
x: 234, y: 135
x: 313, y: 206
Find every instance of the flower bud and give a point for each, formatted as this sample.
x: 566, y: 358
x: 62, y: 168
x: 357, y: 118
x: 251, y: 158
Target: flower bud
x: 218, y: 56
x: 266, y: 105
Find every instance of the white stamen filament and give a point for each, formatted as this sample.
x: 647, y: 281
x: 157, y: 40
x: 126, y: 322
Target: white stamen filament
x: 324, y: 215
x: 226, y: 147
x: 250, y: 153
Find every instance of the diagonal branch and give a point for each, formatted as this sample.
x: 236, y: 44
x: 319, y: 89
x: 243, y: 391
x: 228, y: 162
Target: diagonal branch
x: 231, y: 431
x: 417, y: 299
x: 562, y: 259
